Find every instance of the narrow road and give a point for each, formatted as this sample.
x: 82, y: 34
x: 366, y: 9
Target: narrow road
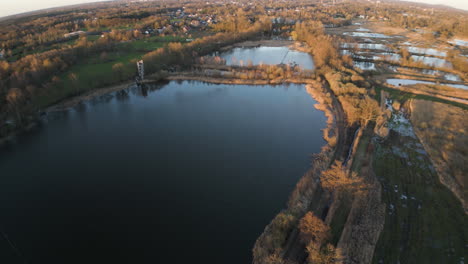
x: 341, y: 124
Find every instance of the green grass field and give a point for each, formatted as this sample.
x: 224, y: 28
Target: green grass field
x: 94, y: 72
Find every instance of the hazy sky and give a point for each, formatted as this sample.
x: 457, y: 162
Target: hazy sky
x: 10, y: 7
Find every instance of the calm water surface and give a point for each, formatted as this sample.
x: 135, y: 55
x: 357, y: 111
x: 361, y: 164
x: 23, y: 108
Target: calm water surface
x: 177, y: 173
x: 267, y: 55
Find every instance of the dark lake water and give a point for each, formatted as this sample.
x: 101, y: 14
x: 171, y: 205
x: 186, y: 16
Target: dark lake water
x: 267, y: 55
x: 183, y: 172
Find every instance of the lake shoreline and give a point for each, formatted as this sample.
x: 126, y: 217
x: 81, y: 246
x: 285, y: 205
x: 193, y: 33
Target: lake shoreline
x: 294, y: 45
x: 73, y: 101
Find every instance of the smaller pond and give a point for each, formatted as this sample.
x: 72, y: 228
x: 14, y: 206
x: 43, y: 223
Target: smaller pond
x: 376, y: 56
x: 369, y: 46
x: 366, y: 35
x: 346, y: 52
x: 459, y: 42
x: 361, y: 29
x: 267, y: 55
x: 388, y: 56
x: 431, y: 61
x: 399, y: 82
x: 432, y: 52
x: 451, y: 77
x: 447, y: 76
x: 365, y: 65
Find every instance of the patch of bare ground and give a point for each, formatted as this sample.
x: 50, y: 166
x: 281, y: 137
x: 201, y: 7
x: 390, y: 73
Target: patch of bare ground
x: 442, y: 129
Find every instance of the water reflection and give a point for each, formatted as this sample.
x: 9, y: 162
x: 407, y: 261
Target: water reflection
x: 432, y: 52
x: 267, y: 55
x: 365, y: 46
x: 365, y: 65
x: 122, y: 95
x: 125, y: 178
x: 431, y: 61
x: 459, y: 42
x: 366, y: 35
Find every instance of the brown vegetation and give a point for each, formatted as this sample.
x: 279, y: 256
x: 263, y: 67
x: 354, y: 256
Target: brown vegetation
x: 336, y: 179
x: 314, y: 233
x: 313, y: 230
x: 443, y: 132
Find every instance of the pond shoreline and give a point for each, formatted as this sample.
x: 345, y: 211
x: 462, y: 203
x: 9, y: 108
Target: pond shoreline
x: 294, y: 45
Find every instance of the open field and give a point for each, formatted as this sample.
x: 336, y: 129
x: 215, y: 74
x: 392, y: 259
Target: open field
x: 96, y: 72
x: 425, y: 222
x: 442, y: 131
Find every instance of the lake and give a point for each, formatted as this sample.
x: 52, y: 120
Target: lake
x: 267, y: 55
x: 182, y: 172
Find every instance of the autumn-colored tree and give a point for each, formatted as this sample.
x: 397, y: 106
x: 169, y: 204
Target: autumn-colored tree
x: 336, y: 179
x: 314, y: 233
x: 326, y: 255
x: 274, y: 258
x: 369, y: 110
x: 313, y: 230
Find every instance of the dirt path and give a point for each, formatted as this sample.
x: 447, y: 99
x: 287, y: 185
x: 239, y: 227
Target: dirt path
x: 341, y: 124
